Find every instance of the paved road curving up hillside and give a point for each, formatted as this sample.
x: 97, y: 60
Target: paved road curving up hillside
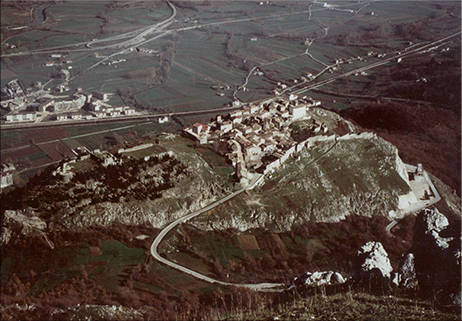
x: 268, y: 287
x: 166, y: 230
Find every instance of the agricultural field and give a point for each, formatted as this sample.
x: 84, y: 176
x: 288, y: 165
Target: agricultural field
x: 32, y: 150
x: 201, y: 59
x: 188, y: 60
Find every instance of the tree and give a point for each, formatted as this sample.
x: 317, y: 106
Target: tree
x: 217, y: 268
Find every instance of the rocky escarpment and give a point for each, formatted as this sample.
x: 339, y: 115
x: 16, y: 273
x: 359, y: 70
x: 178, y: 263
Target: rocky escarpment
x: 188, y: 189
x: 319, y: 278
x: 154, y: 190
x: 407, y: 276
x: 22, y: 222
x: 373, y: 256
x: 373, y: 270
x: 437, y: 250
x: 353, y: 174
x: 432, y: 265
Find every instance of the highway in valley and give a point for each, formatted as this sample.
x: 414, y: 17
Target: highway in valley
x: 140, y: 34
x: 306, y: 86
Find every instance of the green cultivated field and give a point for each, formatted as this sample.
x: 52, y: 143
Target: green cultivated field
x: 200, y: 59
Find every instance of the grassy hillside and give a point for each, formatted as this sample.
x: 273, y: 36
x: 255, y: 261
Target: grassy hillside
x: 322, y: 184
x: 344, y: 306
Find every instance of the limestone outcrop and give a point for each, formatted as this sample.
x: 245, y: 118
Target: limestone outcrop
x: 319, y: 278
x: 373, y: 272
x: 374, y: 256
x: 23, y: 222
x: 364, y: 183
x: 407, y: 277
x: 437, y: 251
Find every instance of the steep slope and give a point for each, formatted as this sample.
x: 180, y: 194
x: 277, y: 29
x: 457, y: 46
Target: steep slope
x: 355, y: 174
x: 133, y: 191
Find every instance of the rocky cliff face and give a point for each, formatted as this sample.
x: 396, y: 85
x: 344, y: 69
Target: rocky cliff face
x: 437, y: 250
x: 23, y: 222
x: 433, y: 263
x: 373, y: 256
x: 407, y: 277
x: 319, y: 278
x: 188, y: 191
x: 358, y: 174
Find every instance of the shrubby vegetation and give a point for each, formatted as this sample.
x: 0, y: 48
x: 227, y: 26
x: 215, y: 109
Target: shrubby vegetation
x: 47, y: 193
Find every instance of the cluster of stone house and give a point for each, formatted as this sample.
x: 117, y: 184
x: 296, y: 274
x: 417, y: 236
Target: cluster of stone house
x: 105, y: 158
x: 256, y: 134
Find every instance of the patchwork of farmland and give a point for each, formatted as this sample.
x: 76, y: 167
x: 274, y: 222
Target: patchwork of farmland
x: 269, y: 36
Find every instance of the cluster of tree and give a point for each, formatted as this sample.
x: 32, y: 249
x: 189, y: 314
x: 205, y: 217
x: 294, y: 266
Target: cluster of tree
x: 123, y: 180
x: 228, y: 48
x: 129, y: 97
x: 437, y: 73
x: 20, y: 197
x: 344, y: 39
x: 235, y: 57
x: 68, y: 299
x: 299, y: 133
x: 18, y: 4
x: 163, y: 70
x: 49, y: 195
x: 374, y: 31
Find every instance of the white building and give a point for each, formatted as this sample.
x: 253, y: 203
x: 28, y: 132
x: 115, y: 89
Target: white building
x: 237, y: 120
x: 163, y: 119
x: 293, y: 97
x: 21, y: 117
x: 226, y: 126
x: 7, y: 175
x: 297, y: 111
x: 197, y: 128
x: 203, y: 139
x: 129, y: 111
x: 254, y: 109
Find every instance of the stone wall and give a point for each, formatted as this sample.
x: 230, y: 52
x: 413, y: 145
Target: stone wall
x: 123, y: 150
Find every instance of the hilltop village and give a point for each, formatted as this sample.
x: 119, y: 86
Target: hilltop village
x: 257, y: 136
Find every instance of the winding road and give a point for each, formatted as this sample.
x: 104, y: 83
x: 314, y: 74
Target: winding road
x: 146, y: 30
x: 266, y: 287
x: 154, y: 247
